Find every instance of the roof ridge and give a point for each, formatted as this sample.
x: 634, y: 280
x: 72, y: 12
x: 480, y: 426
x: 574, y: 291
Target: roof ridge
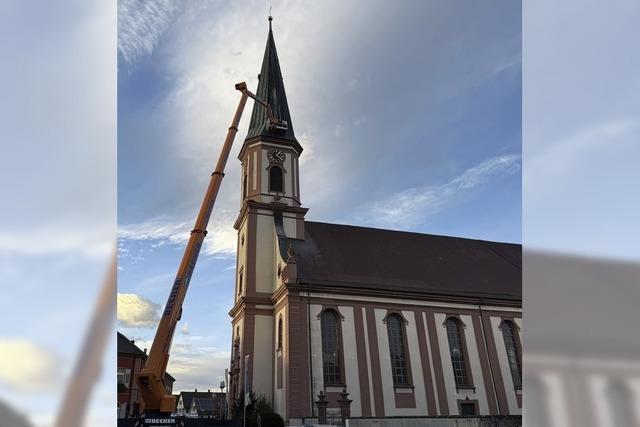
x: 413, y: 232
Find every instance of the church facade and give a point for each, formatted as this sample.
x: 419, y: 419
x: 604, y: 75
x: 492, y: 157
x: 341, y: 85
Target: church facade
x: 408, y: 324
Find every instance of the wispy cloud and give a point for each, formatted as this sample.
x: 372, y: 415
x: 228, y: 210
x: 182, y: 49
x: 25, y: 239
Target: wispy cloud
x: 141, y: 24
x: 508, y: 63
x: 561, y: 179
x: 412, y: 206
x: 135, y: 311
x: 221, y: 238
x: 59, y: 239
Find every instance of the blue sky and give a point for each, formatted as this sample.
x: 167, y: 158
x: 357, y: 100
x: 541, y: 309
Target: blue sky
x: 410, y: 117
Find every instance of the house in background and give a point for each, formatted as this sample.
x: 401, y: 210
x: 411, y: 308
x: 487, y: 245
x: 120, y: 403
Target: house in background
x: 130, y: 361
x: 201, y: 404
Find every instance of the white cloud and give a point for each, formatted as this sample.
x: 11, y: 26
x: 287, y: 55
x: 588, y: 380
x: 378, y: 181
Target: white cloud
x: 307, y: 140
x: 197, y: 367
x: 135, y: 311
x: 221, y: 238
x: 141, y: 25
x: 409, y: 207
x: 49, y: 239
x: 508, y: 63
x: 185, y: 329
x: 28, y: 367
x: 195, y: 361
x: 156, y: 229
x: 588, y: 144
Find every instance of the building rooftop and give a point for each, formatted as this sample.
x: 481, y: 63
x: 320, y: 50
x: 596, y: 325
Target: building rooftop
x: 127, y: 346
x: 354, y: 258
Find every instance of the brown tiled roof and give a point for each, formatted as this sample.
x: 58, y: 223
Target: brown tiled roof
x: 189, y: 396
x: 126, y: 346
x: 363, y: 258
x: 582, y: 306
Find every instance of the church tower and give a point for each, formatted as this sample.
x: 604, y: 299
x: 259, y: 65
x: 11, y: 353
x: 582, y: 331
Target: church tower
x: 271, y: 219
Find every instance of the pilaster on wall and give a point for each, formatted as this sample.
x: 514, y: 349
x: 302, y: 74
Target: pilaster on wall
x: 443, y: 403
x: 363, y: 368
x: 485, y: 364
x: 297, y: 370
x: 503, y: 405
x: 376, y: 376
x: 425, y: 360
x: 248, y: 348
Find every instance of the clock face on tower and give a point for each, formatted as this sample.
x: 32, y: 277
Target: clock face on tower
x: 275, y: 156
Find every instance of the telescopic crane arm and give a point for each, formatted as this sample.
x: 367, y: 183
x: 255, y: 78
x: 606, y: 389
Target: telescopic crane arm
x: 150, y: 379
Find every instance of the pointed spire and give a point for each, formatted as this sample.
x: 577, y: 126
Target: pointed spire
x: 271, y: 90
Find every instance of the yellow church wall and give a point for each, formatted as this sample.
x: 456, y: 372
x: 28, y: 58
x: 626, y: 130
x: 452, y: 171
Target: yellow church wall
x: 262, y: 347
x: 265, y: 259
x: 242, y: 257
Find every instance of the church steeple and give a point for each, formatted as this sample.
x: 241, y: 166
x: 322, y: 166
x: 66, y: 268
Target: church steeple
x: 270, y: 153
x: 270, y: 187
x: 271, y: 90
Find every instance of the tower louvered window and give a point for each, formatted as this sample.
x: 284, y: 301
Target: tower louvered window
x: 456, y: 348
x: 275, y: 179
x: 330, y: 348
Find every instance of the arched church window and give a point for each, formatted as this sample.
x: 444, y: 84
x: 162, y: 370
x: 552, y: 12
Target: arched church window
x: 275, y: 179
x: 240, y: 283
x: 397, y: 350
x: 330, y: 348
x: 457, y: 350
x: 280, y: 333
x: 513, y: 352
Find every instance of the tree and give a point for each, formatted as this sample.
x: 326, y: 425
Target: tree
x: 260, y: 413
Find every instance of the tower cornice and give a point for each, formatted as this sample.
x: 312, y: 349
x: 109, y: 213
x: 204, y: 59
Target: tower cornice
x: 252, y: 206
x: 293, y: 144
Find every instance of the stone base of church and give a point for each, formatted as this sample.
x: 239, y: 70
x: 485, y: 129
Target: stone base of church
x: 482, y: 421
x: 303, y: 422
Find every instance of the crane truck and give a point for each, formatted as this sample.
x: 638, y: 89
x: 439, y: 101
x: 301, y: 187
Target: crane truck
x: 156, y: 401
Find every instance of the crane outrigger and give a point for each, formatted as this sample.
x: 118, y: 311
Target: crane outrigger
x: 156, y: 401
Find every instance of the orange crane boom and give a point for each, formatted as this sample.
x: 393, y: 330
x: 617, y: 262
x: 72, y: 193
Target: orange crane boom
x: 150, y: 380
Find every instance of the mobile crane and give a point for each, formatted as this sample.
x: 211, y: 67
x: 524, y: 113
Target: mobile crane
x: 156, y: 401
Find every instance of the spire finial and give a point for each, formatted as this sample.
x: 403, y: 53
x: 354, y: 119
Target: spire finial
x: 270, y: 17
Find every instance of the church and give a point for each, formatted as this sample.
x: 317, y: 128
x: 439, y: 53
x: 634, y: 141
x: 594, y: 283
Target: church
x: 409, y: 325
